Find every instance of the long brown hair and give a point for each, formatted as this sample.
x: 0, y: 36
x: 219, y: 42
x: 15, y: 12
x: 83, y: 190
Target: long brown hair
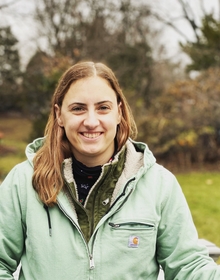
x: 47, y: 177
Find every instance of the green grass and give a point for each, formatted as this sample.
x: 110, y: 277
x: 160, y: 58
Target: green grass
x: 16, y: 132
x: 202, y: 191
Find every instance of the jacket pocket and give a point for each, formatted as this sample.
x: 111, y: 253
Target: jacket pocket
x: 127, y: 232
x: 133, y: 226
x: 129, y: 245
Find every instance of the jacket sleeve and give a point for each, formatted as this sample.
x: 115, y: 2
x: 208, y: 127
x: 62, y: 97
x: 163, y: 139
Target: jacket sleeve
x: 11, y: 228
x: 178, y: 251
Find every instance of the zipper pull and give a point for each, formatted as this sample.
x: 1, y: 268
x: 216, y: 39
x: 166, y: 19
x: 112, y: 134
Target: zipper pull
x: 105, y: 202
x: 91, y: 262
x: 114, y: 225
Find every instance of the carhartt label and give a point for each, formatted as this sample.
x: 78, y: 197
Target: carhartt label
x: 133, y: 241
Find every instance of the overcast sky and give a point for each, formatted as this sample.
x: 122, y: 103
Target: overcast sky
x: 19, y: 16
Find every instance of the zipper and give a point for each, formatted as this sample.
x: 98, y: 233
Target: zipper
x: 121, y: 195
x: 91, y: 260
x: 100, y: 179
x: 114, y: 225
x: 118, y: 225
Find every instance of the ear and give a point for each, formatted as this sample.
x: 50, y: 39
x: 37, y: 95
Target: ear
x: 119, y: 113
x: 58, y: 115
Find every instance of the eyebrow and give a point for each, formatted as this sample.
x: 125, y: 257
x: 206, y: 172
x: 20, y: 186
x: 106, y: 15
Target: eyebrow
x: 97, y: 103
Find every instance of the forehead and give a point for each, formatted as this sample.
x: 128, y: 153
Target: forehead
x: 90, y: 89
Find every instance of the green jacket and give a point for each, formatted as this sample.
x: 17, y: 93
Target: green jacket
x: 147, y: 224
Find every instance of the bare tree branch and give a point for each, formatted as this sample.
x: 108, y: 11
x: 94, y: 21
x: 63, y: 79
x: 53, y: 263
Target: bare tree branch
x: 171, y: 24
x: 190, y: 17
x: 6, y: 5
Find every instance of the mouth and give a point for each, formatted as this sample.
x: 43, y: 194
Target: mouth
x: 91, y: 135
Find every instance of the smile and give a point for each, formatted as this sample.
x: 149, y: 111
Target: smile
x: 91, y: 135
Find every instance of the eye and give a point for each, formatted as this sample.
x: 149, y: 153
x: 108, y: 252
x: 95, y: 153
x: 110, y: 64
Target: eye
x: 78, y: 109
x: 103, y: 107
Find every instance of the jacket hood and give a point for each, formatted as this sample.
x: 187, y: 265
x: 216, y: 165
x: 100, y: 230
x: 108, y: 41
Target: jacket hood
x: 138, y: 160
x: 32, y: 148
x: 145, y: 155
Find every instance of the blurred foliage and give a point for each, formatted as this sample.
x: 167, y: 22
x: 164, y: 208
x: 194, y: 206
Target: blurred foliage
x: 45, y: 71
x: 10, y: 74
x: 205, y: 51
x: 184, y: 122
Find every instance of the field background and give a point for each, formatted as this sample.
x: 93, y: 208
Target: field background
x: 16, y: 131
x: 202, y: 189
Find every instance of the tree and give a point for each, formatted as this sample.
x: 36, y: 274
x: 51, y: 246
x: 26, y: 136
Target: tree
x: 184, y: 121
x: 40, y: 79
x: 205, y: 52
x: 203, y: 47
x: 10, y: 74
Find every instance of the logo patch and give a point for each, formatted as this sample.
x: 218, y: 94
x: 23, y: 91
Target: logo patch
x: 133, y: 241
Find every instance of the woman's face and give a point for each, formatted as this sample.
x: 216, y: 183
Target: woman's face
x: 90, y: 115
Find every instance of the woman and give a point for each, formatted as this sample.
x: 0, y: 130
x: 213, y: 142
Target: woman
x: 89, y: 202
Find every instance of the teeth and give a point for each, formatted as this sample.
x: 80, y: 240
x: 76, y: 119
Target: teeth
x: 91, y: 135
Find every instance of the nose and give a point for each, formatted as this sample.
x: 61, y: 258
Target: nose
x: 91, y: 120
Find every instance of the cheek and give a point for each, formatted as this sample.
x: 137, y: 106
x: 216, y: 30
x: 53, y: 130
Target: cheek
x: 70, y: 126
x: 112, y: 122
